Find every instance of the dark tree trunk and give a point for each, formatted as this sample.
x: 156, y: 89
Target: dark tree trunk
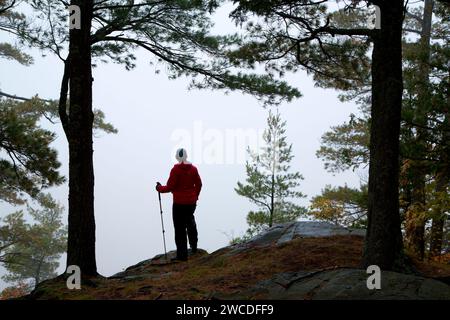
x: 81, y: 237
x: 383, y: 245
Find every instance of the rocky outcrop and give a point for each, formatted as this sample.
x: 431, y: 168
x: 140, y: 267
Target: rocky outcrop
x: 283, y: 233
x: 345, y: 284
x: 287, y: 232
x: 334, y: 283
x: 300, y: 261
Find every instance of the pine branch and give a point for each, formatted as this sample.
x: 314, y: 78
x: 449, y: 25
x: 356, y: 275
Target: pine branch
x: 414, y: 16
x: 326, y: 28
x: 349, y: 32
x: 128, y: 6
x: 10, y: 96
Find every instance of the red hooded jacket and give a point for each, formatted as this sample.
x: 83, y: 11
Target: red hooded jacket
x: 184, y: 183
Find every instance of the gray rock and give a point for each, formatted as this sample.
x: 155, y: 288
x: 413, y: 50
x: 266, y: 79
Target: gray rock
x: 347, y: 284
x: 283, y: 233
x: 324, y: 229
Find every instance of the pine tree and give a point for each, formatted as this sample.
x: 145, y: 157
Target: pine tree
x: 424, y: 132
x: 294, y: 35
x: 27, y: 163
x: 269, y: 183
x: 34, y: 256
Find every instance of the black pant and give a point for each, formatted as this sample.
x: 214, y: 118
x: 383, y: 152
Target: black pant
x: 184, y: 221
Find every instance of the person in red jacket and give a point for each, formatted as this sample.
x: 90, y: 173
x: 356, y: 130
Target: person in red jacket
x: 185, y: 184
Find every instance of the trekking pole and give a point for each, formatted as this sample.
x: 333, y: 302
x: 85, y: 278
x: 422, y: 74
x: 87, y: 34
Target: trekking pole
x: 162, y: 225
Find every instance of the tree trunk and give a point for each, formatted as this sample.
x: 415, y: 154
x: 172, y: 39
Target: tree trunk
x: 383, y: 246
x: 416, y: 217
x: 81, y: 236
x: 272, y: 201
x: 37, y: 276
x: 274, y: 163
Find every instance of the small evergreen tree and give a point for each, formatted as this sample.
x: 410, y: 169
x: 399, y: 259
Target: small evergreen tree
x: 34, y: 257
x: 269, y: 183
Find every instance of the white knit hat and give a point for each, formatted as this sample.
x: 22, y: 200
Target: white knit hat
x: 181, y: 155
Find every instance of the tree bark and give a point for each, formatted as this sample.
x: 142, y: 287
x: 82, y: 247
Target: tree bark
x: 62, y: 105
x: 81, y: 235
x: 383, y: 244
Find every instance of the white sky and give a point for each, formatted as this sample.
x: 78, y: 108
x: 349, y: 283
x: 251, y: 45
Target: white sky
x: 148, y: 109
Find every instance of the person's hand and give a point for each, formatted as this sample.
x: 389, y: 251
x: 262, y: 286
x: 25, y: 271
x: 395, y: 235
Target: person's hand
x: 158, y: 184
